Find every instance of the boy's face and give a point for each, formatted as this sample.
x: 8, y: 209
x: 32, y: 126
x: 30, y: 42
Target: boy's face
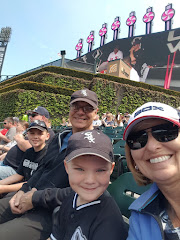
x: 89, y: 177
x: 37, y: 138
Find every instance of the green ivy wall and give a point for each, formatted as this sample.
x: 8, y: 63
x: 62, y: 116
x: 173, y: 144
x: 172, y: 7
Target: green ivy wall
x: 53, y: 90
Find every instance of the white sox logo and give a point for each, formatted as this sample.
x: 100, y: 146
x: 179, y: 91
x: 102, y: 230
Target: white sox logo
x: 84, y: 92
x: 145, y: 109
x: 78, y: 235
x: 89, y: 136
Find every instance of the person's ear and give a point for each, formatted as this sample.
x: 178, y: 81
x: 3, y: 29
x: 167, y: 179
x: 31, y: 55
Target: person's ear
x: 95, y: 114
x: 47, y: 136
x: 112, y: 167
x: 66, y: 166
x: 44, y: 119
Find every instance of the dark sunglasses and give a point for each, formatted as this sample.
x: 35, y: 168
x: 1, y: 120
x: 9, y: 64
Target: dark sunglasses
x: 4, y: 123
x: 34, y: 114
x: 162, y: 133
x: 86, y: 109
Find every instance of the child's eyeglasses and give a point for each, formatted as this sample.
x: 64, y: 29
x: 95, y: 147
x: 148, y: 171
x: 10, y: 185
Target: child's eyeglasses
x: 162, y: 133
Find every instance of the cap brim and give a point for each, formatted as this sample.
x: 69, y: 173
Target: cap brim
x: 137, y: 120
x: 37, y: 127
x: 84, y: 100
x: 87, y: 151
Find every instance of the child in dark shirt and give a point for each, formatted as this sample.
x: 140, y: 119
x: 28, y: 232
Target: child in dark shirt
x: 37, y: 135
x: 89, y: 212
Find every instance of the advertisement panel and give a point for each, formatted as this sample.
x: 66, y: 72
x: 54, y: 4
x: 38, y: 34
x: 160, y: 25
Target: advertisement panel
x: 146, y: 54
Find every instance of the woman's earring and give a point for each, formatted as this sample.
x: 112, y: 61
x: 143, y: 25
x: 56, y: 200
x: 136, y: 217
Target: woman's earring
x: 136, y: 167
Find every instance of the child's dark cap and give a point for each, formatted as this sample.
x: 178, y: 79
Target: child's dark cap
x: 90, y: 142
x: 38, y: 125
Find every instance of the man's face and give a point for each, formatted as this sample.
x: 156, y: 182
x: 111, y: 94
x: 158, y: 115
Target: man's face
x: 116, y: 50
x: 35, y: 116
x: 7, y: 125
x: 81, y: 120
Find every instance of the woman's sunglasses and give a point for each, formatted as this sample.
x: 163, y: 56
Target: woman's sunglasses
x: 162, y: 133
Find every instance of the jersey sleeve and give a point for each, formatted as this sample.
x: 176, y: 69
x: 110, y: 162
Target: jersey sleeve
x: 51, y: 197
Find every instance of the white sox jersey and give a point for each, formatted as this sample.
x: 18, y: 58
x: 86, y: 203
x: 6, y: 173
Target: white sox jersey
x: 100, y: 219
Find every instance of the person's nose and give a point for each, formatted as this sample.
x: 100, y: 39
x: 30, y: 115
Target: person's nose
x: 152, y: 144
x: 90, y: 178
x: 80, y: 110
x: 36, y: 136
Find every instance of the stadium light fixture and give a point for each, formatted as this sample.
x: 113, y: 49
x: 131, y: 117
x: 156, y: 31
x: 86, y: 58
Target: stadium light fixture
x: 5, y: 35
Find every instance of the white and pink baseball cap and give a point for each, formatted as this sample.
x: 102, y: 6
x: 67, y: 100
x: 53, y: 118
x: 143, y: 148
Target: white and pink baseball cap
x: 152, y: 110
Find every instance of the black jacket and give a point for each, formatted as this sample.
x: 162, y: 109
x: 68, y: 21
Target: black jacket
x: 51, y: 173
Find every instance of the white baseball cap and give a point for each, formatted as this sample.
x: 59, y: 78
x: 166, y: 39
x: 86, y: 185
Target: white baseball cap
x: 152, y: 110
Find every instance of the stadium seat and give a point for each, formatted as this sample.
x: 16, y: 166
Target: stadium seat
x: 119, y: 148
x: 125, y: 190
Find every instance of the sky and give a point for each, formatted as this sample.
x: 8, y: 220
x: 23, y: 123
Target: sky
x: 42, y: 28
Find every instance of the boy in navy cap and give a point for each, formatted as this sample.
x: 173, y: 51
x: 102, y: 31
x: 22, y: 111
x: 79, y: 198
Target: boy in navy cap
x: 89, y: 212
x: 37, y: 135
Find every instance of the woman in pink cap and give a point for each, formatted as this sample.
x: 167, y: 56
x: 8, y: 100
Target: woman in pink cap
x: 153, y: 156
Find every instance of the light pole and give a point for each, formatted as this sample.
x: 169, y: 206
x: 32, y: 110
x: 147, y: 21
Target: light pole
x: 4, y: 39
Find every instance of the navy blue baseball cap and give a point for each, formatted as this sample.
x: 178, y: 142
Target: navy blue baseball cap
x: 41, y: 111
x: 38, y: 125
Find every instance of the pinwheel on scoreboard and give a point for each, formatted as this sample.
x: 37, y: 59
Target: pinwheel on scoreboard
x: 130, y: 23
x: 115, y: 27
x: 148, y: 18
x: 102, y: 33
x: 90, y: 40
x: 167, y: 16
x: 79, y: 47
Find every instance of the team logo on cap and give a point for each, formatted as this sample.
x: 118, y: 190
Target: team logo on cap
x: 149, y: 108
x: 84, y: 93
x: 89, y: 136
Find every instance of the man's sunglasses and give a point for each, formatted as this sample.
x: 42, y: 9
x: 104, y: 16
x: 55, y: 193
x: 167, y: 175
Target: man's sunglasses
x: 162, y: 133
x: 34, y: 114
x: 86, y: 109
